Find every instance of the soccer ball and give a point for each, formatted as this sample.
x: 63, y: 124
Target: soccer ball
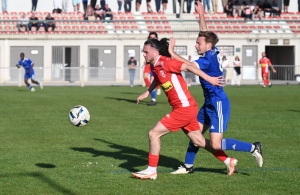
x: 79, y: 116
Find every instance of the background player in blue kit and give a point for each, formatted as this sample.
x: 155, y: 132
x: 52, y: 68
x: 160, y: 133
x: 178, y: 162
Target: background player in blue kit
x: 215, y: 112
x: 29, y: 72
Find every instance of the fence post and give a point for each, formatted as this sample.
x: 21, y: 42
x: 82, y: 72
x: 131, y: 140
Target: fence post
x: 82, y: 75
x: 20, y: 77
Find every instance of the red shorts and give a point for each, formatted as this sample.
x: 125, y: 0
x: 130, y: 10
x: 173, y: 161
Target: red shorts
x: 182, y: 118
x: 147, y: 69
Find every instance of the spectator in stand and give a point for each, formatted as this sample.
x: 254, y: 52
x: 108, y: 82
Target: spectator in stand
x: 4, y: 6
x: 188, y: 5
x: 65, y: 4
x: 276, y: 11
x: 224, y: 4
x: 298, y: 6
x: 179, y: 1
x: 214, y: 5
x: 33, y: 22
x: 23, y: 22
x: 107, y: 12
x: 247, y: 13
x: 237, y: 8
x: 267, y: 8
x: 127, y: 6
x: 57, y: 4
x: 76, y: 5
x: 206, y: 3
x: 89, y: 12
x: 286, y: 4
x: 165, y: 5
x: 34, y: 4
x: 229, y: 9
x: 99, y: 12
x: 102, y: 3
x: 120, y: 2
x: 257, y: 13
x: 157, y: 5
x: 93, y: 3
x: 252, y: 5
x: 49, y: 22
x: 137, y: 5
x: 149, y: 8
x: 84, y: 3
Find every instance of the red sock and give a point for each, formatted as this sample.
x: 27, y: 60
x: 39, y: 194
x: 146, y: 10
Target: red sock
x: 147, y: 82
x: 153, y: 160
x: 220, y: 154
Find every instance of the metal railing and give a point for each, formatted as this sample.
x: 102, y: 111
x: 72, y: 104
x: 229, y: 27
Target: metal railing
x: 61, y: 75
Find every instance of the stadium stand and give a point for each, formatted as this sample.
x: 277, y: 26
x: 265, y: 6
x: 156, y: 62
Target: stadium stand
x: 164, y: 23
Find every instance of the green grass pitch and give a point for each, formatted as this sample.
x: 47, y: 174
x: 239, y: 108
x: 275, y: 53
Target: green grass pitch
x: 41, y: 152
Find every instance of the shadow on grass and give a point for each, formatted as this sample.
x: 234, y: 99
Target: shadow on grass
x: 294, y: 110
x: 130, y: 93
x: 136, y: 158
x: 45, y: 165
x: 42, y: 178
x: 122, y: 99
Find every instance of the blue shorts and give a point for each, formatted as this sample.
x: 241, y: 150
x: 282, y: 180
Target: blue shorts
x: 215, y: 115
x: 30, y: 75
x: 151, y: 73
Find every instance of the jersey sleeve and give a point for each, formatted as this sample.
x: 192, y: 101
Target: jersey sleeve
x: 30, y: 61
x: 19, y: 63
x: 202, y: 63
x: 173, y: 65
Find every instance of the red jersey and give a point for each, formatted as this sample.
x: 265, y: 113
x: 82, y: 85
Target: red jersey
x: 264, y: 62
x: 147, y: 68
x: 167, y: 74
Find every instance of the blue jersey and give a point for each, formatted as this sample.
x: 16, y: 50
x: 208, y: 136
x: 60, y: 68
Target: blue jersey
x: 210, y: 63
x: 26, y: 63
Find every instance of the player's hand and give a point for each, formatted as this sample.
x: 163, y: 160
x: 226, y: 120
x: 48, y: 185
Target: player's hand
x: 199, y: 7
x: 216, y: 81
x: 171, y: 44
x: 142, y: 96
x: 274, y: 70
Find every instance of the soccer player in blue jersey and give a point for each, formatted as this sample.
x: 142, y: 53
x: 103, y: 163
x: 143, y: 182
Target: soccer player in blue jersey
x: 29, y: 72
x: 215, y: 112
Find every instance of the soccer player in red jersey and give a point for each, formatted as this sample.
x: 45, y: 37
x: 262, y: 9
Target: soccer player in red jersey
x: 147, y: 74
x: 167, y: 74
x: 265, y: 63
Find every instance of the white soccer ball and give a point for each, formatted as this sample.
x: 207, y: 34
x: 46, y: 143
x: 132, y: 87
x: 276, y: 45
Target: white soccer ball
x: 79, y: 116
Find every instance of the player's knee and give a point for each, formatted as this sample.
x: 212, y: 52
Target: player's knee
x: 215, y: 145
x: 152, y: 134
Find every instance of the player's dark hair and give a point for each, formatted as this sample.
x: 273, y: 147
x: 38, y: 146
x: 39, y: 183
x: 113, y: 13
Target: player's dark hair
x: 210, y: 37
x: 152, y: 33
x: 22, y: 54
x: 161, y: 45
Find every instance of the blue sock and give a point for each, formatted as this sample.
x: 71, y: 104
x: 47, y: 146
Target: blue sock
x: 29, y: 86
x: 191, y: 153
x: 153, y: 94
x: 233, y: 144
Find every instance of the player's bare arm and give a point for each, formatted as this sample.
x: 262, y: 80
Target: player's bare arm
x: 175, y: 55
x: 199, y: 8
x: 17, y: 66
x: 272, y: 67
x: 216, y: 81
x: 145, y: 95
